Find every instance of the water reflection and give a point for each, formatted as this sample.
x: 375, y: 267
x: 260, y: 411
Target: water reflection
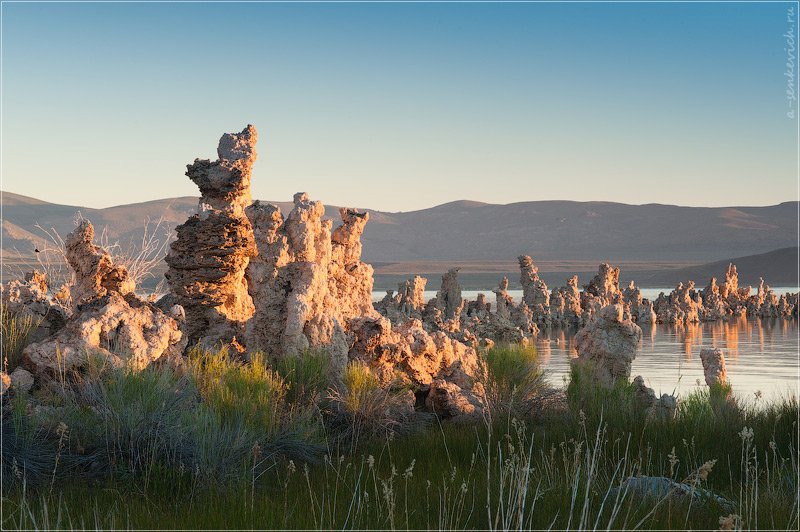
x: 761, y: 355
x: 691, y: 334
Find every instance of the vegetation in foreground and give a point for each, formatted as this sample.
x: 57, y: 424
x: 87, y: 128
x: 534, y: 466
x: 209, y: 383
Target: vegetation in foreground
x: 227, y: 444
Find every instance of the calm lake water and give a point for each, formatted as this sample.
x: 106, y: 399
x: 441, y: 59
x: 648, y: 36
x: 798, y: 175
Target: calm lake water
x: 761, y: 355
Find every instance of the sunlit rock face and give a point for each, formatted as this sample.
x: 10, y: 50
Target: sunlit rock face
x: 602, y: 290
x: 283, y: 285
x: 408, y: 302
x: 605, y: 284
x: 534, y: 290
x: 412, y: 295
x: 713, y: 306
x: 683, y: 305
x: 607, y: 345
x: 29, y: 299
x: 441, y: 370
x: 469, y: 322
x: 714, y: 370
x: 95, y: 271
x: 722, y: 301
x: 307, y: 281
x: 122, y: 331
x: 108, y: 321
x: 208, y: 260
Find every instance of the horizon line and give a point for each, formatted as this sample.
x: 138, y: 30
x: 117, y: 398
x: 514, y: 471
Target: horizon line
x: 463, y: 200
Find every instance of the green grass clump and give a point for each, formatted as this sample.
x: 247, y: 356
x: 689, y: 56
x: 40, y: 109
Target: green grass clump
x: 240, y: 392
x: 598, y: 402
x: 306, y: 376
x: 514, y: 382
x: 361, y: 386
x: 360, y: 408
x: 15, y: 334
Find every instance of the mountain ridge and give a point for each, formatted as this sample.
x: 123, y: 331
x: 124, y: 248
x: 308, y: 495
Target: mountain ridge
x: 466, y: 230
x: 23, y: 198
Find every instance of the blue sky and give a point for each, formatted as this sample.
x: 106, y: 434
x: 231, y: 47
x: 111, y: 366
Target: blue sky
x: 402, y: 106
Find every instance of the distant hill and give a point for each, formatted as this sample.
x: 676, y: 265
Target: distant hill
x: 778, y: 268
x: 474, y: 231
x: 569, y: 230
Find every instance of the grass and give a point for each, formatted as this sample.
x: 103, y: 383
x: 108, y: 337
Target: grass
x: 514, y: 382
x: 251, y: 394
x: 229, y: 444
x: 306, y: 376
x: 15, y: 333
x: 359, y: 408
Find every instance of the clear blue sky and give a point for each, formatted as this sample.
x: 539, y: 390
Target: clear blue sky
x: 401, y: 107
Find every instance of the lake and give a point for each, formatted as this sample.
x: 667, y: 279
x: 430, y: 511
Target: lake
x: 762, y: 355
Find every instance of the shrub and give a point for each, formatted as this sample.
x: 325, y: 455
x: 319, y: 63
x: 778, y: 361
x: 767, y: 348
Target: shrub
x: 26, y: 453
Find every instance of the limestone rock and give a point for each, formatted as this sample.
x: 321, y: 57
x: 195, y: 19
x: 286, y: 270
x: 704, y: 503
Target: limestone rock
x: 714, y: 366
x: 494, y: 328
x: 29, y: 299
x: 632, y: 295
x: 646, y: 313
x: 449, y: 295
x: 307, y: 282
x: 95, y: 272
x: 208, y: 260
x: 565, y: 304
x: 412, y: 295
x: 654, y: 490
x: 21, y: 381
x: 408, y: 302
x: 420, y: 359
x: 605, y: 284
x: 480, y: 308
x: 448, y: 400
x: 663, y: 407
x: 120, y: 330
x: 225, y: 183
x: 504, y: 302
x: 730, y: 287
x: 108, y: 320
x: 608, y: 345
x: 534, y: 290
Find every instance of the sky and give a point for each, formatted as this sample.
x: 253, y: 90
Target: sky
x: 399, y: 107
